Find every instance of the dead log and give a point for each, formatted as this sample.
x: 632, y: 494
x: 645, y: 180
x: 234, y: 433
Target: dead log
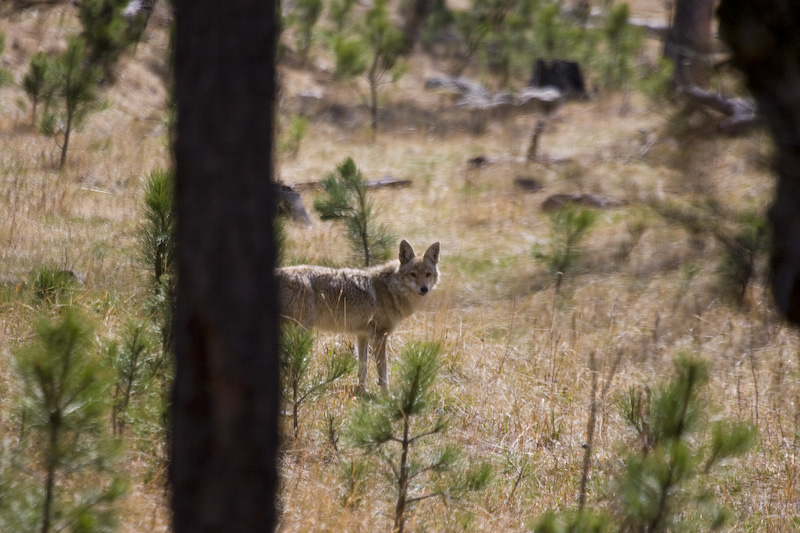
x: 557, y: 201
x: 386, y: 182
x: 564, y: 75
x: 389, y: 182
x: 533, y: 147
x: 741, y: 112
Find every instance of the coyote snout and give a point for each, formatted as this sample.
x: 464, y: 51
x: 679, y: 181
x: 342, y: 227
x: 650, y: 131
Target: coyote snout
x: 368, y: 303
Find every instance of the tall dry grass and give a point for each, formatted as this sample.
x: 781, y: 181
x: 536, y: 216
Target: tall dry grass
x: 517, y: 369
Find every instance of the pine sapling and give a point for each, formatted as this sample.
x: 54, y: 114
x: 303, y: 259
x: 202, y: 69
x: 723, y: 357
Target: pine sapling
x: 65, y: 404
x: 663, y: 483
x: 129, y: 358
x: 304, y: 17
x: 345, y: 198
x: 157, y: 252
x: 396, y: 426
x: 74, y: 95
x: 569, y: 228
x: 299, y: 385
x: 105, y: 32
x: 372, y: 52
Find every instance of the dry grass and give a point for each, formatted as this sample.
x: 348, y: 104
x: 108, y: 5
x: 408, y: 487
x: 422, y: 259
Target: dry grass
x: 516, y: 374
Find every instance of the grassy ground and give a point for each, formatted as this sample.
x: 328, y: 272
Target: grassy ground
x: 517, y: 375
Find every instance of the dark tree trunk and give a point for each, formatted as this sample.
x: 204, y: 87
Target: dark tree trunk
x: 417, y: 11
x: 225, y: 398
x: 764, y: 38
x: 689, y: 41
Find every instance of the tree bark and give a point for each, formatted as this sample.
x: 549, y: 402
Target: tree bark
x: 416, y: 12
x: 689, y: 41
x: 226, y: 392
x: 764, y: 38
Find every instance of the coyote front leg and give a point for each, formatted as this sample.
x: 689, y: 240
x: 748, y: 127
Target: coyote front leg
x: 362, y: 349
x: 379, y: 349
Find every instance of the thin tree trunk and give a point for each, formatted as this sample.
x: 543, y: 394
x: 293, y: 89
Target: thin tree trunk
x: 402, y: 484
x: 417, y: 11
x: 50, y: 480
x: 226, y: 393
x: 689, y: 41
x: 64, y: 148
x: 373, y: 108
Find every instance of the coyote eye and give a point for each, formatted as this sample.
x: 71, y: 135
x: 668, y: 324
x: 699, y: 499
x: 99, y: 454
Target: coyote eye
x: 428, y: 274
x: 413, y: 275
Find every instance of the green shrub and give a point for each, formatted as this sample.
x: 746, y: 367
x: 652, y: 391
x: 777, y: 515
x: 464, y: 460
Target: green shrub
x: 622, y: 43
x: 156, y: 237
x: 157, y: 250
x: 53, y: 286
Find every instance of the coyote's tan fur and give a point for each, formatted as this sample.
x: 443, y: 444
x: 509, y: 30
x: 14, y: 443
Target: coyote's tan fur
x: 368, y: 303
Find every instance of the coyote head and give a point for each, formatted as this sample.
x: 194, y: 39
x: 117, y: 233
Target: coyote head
x: 419, y: 274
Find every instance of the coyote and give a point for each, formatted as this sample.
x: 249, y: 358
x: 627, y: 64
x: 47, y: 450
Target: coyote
x: 368, y: 303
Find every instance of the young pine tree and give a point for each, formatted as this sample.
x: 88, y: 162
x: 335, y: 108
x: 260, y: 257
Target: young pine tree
x: 622, y: 43
x: 304, y: 18
x: 65, y: 434
x: 663, y: 486
x: 130, y: 358
x: 398, y: 426
x: 299, y: 386
x: 345, y: 198
x: 569, y: 227
x: 156, y: 242
x: 665, y: 478
x: 74, y: 97
x: 105, y: 32
x: 373, y: 52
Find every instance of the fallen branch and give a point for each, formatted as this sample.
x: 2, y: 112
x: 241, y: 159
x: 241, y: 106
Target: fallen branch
x: 742, y: 112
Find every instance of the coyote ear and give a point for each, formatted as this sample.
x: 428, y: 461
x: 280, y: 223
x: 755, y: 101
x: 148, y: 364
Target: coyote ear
x: 406, y: 252
x: 433, y: 252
